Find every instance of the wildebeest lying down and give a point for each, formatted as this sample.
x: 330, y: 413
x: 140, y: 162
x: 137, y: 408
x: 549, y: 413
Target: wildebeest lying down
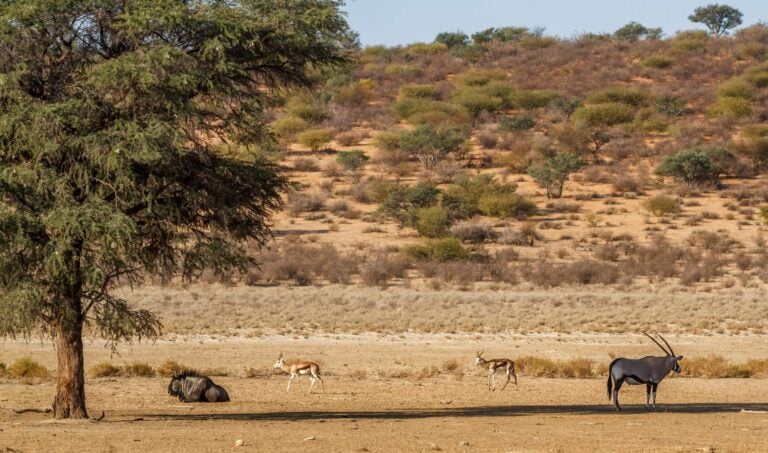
x: 190, y: 387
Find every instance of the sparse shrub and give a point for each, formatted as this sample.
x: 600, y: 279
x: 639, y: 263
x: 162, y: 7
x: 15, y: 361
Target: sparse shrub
x: 381, y: 266
x: 474, y: 232
x: 755, y: 150
x: 315, y: 139
x: 440, y: 250
x: 306, y: 164
x: 661, y: 205
x: 388, y: 140
x: 619, y: 95
x: 139, y: 369
x: 658, y: 62
x: 463, y: 198
x: 351, y: 138
x: 488, y: 139
x: 424, y: 90
x: 170, y: 367
x: 587, y: 272
x: 430, y: 145
x: 299, y: 202
x: 737, y: 88
x: 670, y: 105
x: 655, y: 261
x: 105, y: 369
x: 352, y: 161
x: 251, y: 372
x: 627, y: 184
x: 554, y: 172
x: 604, y: 115
x: 534, y: 99
x: 577, y: 368
x: 27, y: 368
x: 503, y: 204
x: 477, y: 102
x: 307, y: 108
x: 516, y: 123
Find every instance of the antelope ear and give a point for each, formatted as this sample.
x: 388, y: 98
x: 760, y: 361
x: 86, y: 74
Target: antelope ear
x: 679, y: 357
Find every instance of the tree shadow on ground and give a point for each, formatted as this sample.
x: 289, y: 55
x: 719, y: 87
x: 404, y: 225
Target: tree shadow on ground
x: 465, y: 412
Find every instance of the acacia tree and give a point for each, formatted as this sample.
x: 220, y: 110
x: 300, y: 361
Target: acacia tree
x: 108, y: 112
x: 717, y: 18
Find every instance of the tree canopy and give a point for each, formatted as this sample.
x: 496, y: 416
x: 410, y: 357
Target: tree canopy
x: 113, y: 115
x: 719, y: 19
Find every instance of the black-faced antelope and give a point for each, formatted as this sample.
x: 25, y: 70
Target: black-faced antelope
x: 298, y: 368
x: 648, y: 370
x: 493, y: 365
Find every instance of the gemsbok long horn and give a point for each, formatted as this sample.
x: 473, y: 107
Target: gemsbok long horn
x: 658, y: 344
x: 671, y: 352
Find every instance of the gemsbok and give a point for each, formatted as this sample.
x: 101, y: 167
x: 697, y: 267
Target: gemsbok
x: 298, y: 368
x: 648, y: 370
x: 493, y: 365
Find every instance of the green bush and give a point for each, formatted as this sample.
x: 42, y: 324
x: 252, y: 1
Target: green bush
x: 690, y: 166
x: 732, y: 108
x: 619, y: 95
x: 516, y: 123
x: 351, y: 161
x: 481, y: 77
x: 440, y: 250
x: 430, y: 145
x: 27, y: 368
x: 432, y: 222
x: 402, y: 204
x: 764, y: 214
x: 604, y: 115
x: 421, y: 48
x: 504, y: 204
x: 658, y: 62
x: 661, y: 205
x: 424, y: 90
x: 452, y: 39
x: 288, y: 127
x: 737, y: 88
x: 388, y: 140
x: 315, y: 139
x: 401, y: 70
x: 307, y: 108
x: 429, y: 111
x: 690, y: 40
x: 534, y: 99
x: 554, y: 172
x: 477, y: 102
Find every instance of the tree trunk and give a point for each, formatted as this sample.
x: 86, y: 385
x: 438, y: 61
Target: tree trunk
x: 70, y: 383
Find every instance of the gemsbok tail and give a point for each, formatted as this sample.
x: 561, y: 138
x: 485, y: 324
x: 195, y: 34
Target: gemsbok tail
x: 610, y: 378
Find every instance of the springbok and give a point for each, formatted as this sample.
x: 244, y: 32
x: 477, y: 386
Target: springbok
x: 493, y: 366
x: 648, y: 370
x: 298, y: 368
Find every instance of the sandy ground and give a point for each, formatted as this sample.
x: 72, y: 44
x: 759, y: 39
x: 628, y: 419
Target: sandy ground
x: 364, y: 408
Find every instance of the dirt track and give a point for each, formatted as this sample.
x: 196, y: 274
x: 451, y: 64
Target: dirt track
x: 363, y: 411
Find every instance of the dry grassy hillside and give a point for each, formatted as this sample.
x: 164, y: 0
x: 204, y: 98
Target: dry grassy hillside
x: 427, y: 165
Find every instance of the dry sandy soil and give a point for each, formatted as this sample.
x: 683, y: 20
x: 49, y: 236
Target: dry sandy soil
x: 366, y: 408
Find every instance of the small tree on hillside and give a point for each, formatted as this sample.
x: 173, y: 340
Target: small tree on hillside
x: 633, y: 31
x: 690, y: 166
x: 452, y: 39
x: 352, y: 162
x: 108, y: 167
x: 430, y: 145
x: 554, y: 172
x: 719, y: 19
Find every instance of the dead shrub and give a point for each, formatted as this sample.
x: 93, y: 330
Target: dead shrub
x: 262, y: 372
x: 561, y: 206
x: 627, y: 184
x: 169, y: 368
x: 656, y: 261
x: 713, y: 242
x: 299, y: 202
x: 381, y: 266
x: 305, y: 164
x: 139, y: 369
x: 577, y: 368
x: 474, y: 231
x: 27, y: 368
x: 488, y: 139
x: 461, y: 273
x: 104, y: 369
x: 350, y: 138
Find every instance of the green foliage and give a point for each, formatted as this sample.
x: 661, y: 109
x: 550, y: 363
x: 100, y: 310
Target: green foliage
x: 440, y: 250
x: 315, y: 139
x: 428, y: 111
x: 351, y: 161
x: 658, y: 62
x: 737, y: 88
x: 635, y: 31
x: 430, y: 145
x: 468, y: 196
x: 534, y: 99
x: 634, y: 97
x: 481, y: 77
x: 106, y: 171
x: 27, y: 368
x: 690, y: 166
x: 764, y: 214
x: 661, y: 205
x: 478, y: 101
x: 432, y: 222
x: 421, y: 48
x: 719, y: 19
x: 566, y: 106
x: 516, y: 123
x: 504, y: 34
x: 670, y: 105
x: 402, y: 204
x: 554, y: 172
x: 288, y: 127
x: 424, y: 90
x: 604, y: 115
x: 452, y: 39
x: 308, y: 108
x: 690, y: 40
x: 356, y: 94
x: 388, y: 140
x: 732, y: 108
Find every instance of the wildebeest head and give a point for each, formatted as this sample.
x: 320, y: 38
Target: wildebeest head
x: 176, y: 386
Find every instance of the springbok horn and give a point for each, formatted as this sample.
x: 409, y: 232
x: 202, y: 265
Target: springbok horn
x: 665, y: 342
x: 659, y: 344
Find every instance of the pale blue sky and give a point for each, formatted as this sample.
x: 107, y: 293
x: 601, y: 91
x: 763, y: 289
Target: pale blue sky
x: 393, y: 22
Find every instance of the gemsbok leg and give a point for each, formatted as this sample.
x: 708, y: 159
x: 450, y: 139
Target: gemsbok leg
x: 653, y: 393
x: 619, y: 383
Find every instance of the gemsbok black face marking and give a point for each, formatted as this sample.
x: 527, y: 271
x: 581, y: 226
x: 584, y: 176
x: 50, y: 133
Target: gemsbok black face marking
x: 648, y: 370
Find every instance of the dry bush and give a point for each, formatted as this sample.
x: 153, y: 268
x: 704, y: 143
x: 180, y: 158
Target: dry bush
x: 581, y: 272
x: 27, y: 368
x: 719, y: 242
x: 428, y: 372
x: 578, y: 368
x: 561, y: 206
x: 358, y: 375
x: 381, y: 266
x: 656, y: 261
x: 262, y: 372
x: 104, y: 369
x: 169, y: 368
x: 488, y: 139
x: 627, y: 184
x: 350, y: 138
x: 716, y: 366
x: 475, y: 232
x: 661, y: 205
x: 216, y: 371
x: 299, y: 202
x: 138, y: 369
x: 698, y: 268
x: 305, y: 164
x: 462, y: 273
